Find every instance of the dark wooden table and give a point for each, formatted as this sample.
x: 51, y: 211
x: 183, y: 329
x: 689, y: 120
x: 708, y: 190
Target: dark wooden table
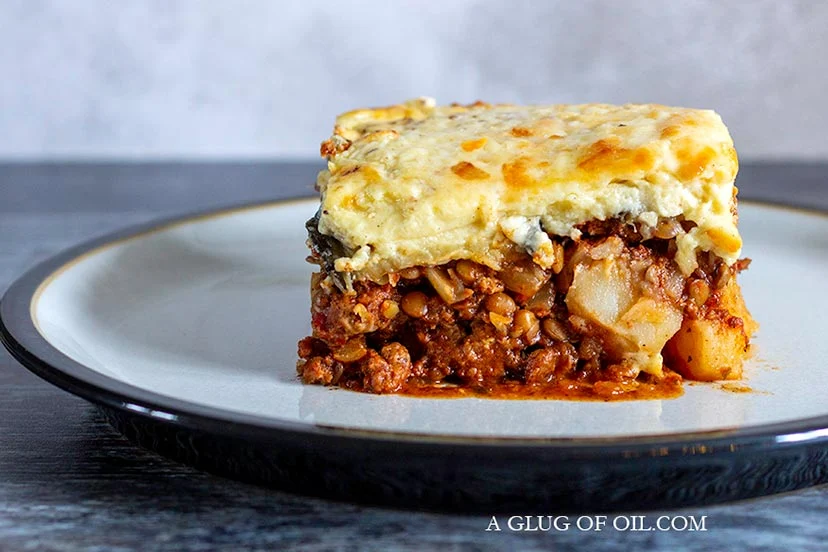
x: 69, y: 482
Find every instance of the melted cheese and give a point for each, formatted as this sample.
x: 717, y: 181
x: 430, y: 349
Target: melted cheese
x: 415, y: 184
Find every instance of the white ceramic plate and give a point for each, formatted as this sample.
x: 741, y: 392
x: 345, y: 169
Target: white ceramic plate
x: 203, y: 315
x: 210, y: 311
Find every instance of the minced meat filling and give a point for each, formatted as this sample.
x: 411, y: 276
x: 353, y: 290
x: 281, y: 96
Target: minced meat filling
x: 463, y: 323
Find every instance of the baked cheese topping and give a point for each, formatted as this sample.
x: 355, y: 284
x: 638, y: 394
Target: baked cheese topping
x: 415, y: 184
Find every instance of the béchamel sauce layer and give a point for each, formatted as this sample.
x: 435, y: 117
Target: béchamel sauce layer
x: 415, y: 184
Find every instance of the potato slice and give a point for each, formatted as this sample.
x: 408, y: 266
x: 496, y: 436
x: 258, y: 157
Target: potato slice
x: 733, y: 301
x: 610, y: 295
x: 707, y: 350
x: 601, y: 292
x: 714, y: 347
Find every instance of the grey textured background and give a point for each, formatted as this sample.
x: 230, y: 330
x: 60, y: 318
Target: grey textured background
x: 243, y: 79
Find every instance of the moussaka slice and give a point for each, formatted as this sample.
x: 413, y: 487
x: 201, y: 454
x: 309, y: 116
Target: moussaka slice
x: 565, y: 250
